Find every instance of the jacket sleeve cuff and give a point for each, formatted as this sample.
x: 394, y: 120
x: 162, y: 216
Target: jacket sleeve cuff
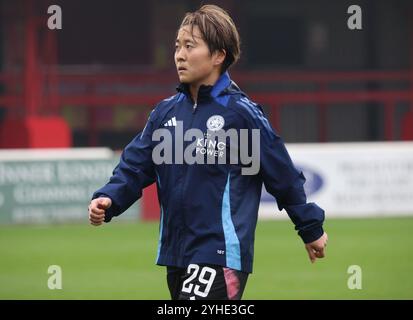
x: 311, y: 235
x: 113, y: 211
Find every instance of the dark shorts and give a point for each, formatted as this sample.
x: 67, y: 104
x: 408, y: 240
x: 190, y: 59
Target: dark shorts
x: 206, y: 282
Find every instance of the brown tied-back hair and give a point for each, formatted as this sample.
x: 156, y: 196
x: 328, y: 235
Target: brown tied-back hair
x: 217, y: 30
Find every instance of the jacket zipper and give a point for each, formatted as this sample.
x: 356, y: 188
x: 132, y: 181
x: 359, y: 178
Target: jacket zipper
x: 185, y: 181
x: 194, y: 108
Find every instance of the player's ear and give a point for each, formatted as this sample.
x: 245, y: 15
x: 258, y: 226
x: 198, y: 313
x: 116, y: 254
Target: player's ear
x: 219, y: 57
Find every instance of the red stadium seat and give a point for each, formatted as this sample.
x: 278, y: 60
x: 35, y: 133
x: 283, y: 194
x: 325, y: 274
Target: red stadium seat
x: 35, y: 132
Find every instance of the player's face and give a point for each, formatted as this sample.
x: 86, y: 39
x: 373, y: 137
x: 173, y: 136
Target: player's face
x: 194, y: 63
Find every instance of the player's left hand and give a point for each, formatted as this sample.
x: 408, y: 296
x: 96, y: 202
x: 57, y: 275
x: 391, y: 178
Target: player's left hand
x: 316, y: 248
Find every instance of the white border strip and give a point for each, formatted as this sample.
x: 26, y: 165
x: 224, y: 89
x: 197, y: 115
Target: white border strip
x: 55, y: 154
x: 344, y: 146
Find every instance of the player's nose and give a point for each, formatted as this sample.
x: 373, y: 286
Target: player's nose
x: 180, y: 55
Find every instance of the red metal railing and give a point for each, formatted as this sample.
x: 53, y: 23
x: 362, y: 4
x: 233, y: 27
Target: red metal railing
x: 39, y: 87
x: 151, y: 87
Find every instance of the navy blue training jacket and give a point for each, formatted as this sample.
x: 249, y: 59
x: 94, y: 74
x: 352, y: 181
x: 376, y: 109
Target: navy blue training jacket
x: 209, y: 211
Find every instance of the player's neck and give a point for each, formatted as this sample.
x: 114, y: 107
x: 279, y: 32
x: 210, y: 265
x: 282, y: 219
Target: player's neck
x: 210, y: 80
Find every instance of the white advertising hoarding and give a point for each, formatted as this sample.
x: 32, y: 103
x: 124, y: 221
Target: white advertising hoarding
x: 353, y: 179
x: 53, y: 185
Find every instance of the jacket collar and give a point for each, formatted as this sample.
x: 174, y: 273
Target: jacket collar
x: 205, y: 92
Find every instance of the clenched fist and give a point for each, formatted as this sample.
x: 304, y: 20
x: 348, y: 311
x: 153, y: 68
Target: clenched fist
x: 97, y: 210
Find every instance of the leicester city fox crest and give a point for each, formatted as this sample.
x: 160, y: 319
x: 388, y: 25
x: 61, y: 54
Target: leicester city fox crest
x: 215, y: 123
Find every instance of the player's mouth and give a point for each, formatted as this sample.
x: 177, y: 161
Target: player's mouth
x: 181, y: 69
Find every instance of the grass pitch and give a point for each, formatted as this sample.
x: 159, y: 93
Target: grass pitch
x: 117, y: 261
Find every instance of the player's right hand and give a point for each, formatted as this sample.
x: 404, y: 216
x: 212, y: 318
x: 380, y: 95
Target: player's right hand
x: 97, y: 210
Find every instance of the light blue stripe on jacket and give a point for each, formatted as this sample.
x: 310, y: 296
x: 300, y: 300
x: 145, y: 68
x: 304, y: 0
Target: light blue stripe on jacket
x: 232, y: 246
